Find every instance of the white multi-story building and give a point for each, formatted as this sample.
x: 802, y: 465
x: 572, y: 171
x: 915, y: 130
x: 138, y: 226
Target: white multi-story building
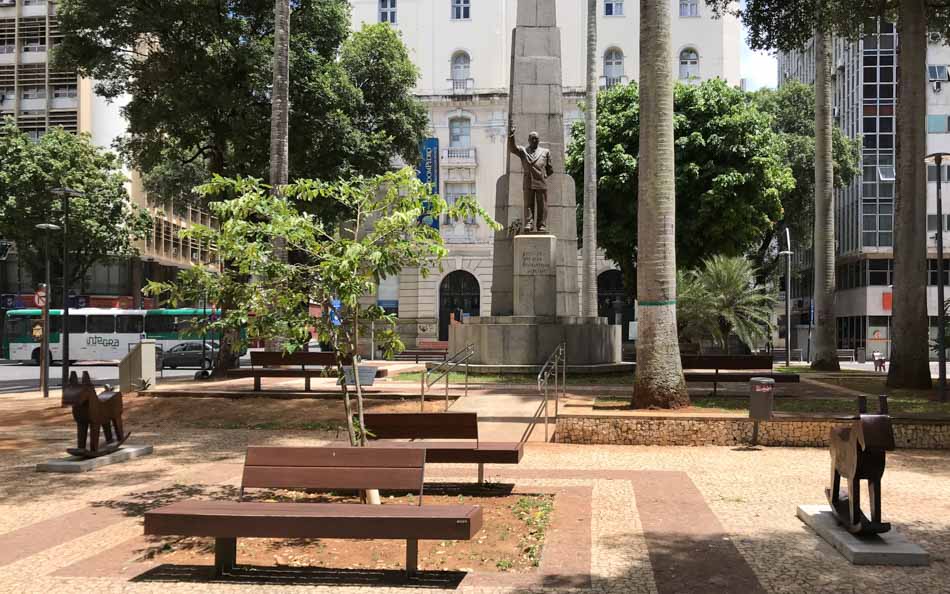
x: 462, y: 48
x: 865, y: 92
x: 39, y: 98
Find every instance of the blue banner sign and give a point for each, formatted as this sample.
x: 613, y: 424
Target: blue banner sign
x: 429, y: 173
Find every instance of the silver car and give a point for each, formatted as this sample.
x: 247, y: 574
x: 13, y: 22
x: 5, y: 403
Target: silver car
x: 190, y: 354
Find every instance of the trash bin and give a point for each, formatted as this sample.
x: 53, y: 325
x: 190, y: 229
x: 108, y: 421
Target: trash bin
x: 860, y: 355
x: 761, y: 397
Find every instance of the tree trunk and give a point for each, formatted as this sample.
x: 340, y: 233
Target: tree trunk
x: 589, y: 296
x: 280, y: 108
x: 910, y: 338
x: 659, y: 379
x: 826, y: 356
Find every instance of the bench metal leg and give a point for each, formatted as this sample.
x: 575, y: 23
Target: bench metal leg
x: 257, y: 383
x: 306, y: 384
x: 412, y: 557
x: 225, y: 555
x: 481, y: 473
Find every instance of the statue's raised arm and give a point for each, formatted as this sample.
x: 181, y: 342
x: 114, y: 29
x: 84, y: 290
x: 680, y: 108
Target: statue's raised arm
x: 512, y: 145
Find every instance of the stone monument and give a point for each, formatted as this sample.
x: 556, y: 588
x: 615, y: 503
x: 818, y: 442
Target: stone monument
x: 535, y: 293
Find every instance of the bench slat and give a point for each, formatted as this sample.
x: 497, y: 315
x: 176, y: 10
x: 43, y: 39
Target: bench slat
x: 422, y: 425
x: 331, y: 457
x: 277, y: 477
x: 447, y: 452
x: 225, y: 519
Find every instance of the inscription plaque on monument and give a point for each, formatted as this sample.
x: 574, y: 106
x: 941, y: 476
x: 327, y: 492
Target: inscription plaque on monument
x: 534, y: 261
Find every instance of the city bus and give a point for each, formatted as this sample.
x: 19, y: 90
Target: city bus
x: 98, y: 334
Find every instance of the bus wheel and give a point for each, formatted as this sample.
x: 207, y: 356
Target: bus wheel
x: 36, y: 357
x: 206, y: 364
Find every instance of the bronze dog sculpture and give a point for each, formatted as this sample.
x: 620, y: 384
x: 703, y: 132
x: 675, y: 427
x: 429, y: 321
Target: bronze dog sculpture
x: 858, y: 453
x: 93, y: 412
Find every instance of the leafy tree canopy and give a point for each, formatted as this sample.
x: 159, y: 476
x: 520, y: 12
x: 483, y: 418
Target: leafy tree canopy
x: 198, y: 75
x: 103, y: 223
x: 792, y: 108
x: 730, y: 178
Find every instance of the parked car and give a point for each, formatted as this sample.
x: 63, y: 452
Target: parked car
x: 190, y: 354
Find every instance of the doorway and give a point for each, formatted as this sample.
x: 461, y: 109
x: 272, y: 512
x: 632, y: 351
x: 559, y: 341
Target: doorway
x: 458, y: 290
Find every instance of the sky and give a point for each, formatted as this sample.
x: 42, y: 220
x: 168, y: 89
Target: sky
x: 758, y: 68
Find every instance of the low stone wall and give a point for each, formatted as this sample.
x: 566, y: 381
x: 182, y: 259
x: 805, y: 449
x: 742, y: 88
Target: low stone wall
x: 700, y: 431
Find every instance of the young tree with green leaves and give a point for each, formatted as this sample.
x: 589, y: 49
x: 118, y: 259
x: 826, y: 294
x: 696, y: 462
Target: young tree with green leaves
x: 659, y: 380
x: 199, y: 78
x: 339, y: 263
x: 722, y: 298
x: 103, y: 223
x: 731, y: 173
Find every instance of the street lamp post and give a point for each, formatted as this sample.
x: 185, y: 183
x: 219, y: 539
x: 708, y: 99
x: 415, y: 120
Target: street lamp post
x: 65, y: 194
x: 44, y: 345
x: 936, y: 159
x: 788, y: 296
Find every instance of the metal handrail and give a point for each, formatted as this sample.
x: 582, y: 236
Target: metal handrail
x: 556, y: 365
x: 445, y: 368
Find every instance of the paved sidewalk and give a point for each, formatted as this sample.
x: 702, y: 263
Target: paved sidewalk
x: 505, y: 417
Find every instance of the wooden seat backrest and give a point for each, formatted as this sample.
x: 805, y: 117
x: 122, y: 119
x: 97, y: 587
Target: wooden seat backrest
x: 726, y: 361
x: 462, y: 425
x: 302, y: 358
x: 398, y: 469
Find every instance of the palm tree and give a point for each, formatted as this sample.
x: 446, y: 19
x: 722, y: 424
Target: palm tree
x: 589, y: 300
x: 280, y: 107
x: 659, y: 379
x: 910, y: 357
x: 722, y: 299
x: 826, y: 357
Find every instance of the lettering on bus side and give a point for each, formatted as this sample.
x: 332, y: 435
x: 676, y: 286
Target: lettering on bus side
x: 100, y: 341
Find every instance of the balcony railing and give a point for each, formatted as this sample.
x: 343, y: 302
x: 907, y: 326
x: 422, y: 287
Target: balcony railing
x: 462, y: 85
x: 611, y: 81
x: 459, y: 156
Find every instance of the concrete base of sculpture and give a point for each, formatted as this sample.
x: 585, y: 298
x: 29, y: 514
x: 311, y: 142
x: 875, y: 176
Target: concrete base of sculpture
x: 535, y: 286
x: 530, y: 340
x: 75, y: 464
x: 889, y: 548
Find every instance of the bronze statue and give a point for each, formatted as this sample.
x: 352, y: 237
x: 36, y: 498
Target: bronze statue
x: 94, y: 411
x: 536, y: 164
x: 857, y: 453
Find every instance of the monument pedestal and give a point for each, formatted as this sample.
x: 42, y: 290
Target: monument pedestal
x: 535, y: 286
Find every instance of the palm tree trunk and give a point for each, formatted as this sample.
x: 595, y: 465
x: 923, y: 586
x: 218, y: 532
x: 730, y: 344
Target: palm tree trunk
x: 826, y: 356
x: 659, y: 380
x: 590, y: 169
x: 280, y: 107
x: 910, y: 350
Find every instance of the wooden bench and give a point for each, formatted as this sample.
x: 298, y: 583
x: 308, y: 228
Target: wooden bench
x: 278, y: 364
x: 751, y: 366
x: 461, y: 426
x: 845, y: 354
x: 420, y: 355
x: 322, y: 469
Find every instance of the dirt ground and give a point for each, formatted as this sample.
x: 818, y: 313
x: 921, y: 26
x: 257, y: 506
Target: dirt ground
x: 511, y: 540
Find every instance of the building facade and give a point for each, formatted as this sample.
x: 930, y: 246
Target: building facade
x: 865, y: 92
x: 40, y: 97
x: 462, y: 48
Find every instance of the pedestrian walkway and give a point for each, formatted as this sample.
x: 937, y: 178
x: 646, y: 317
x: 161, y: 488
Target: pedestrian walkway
x: 506, y: 416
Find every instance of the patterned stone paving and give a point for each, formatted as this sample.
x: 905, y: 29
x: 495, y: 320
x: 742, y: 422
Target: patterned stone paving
x: 629, y: 519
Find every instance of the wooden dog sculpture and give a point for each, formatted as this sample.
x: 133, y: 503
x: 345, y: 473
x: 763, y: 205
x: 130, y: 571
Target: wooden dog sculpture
x: 93, y: 411
x: 857, y: 453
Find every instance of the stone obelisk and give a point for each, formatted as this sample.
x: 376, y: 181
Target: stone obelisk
x: 535, y: 297
x: 534, y: 105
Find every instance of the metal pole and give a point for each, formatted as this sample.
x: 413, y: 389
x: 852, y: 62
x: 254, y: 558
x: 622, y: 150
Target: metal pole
x: 65, y: 329
x: 545, y: 411
x: 788, y: 298
x: 422, y: 393
x: 564, y: 369
x: 448, y: 371
x: 941, y: 350
x: 44, y: 371
x: 466, y: 379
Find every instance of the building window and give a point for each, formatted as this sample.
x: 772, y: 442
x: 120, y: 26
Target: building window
x: 64, y: 92
x: 34, y: 93
x: 613, y: 67
x: 689, y: 8
x: 460, y: 133
x: 461, y: 70
x: 613, y: 7
x: 937, y: 72
x: 461, y: 10
x: 689, y: 64
x: 387, y: 11
x: 454, y: 191
x: 937, y: 124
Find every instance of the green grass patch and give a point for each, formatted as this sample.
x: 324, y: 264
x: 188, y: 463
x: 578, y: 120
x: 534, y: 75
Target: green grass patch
x: 535, y: 512
x: 613, y: 379
x: 842, y: 405
x: 805, y: 370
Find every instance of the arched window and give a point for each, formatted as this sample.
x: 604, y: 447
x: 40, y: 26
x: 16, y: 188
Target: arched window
x: 613, y: 67
x: 458, y: 291
x: 689, y: 64
x: 461, y: 70
x: 460, y: 132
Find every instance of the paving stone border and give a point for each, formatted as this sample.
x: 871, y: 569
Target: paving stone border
x: 700, y: 431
